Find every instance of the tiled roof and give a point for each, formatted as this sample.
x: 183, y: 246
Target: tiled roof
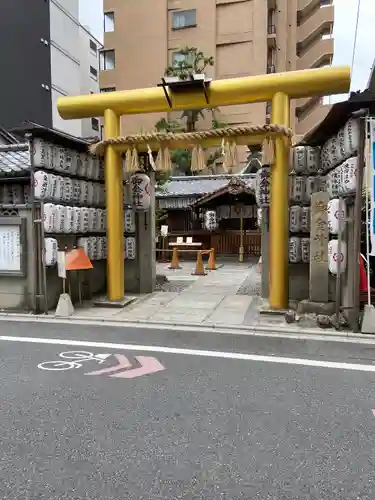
x: 14, y: 160
x: 194, y: 186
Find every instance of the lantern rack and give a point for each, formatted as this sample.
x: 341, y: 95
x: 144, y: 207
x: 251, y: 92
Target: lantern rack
x: 194, y: 82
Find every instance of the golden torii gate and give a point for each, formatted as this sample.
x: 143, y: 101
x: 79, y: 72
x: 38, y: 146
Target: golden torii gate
x: 278, y: 88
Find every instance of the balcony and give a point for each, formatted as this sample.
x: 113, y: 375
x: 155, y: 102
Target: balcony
x: 310, y: 121
x: 271, y: 68
x: 319, y: 23
x: 306, y: 7
x: 271, y: 36
x: 317, y: 55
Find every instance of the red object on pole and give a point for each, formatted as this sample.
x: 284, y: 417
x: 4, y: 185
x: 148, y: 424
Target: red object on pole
x: 363, y: 283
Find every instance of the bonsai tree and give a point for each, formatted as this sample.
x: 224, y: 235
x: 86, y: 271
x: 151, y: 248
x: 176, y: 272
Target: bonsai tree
x: 194, y: 61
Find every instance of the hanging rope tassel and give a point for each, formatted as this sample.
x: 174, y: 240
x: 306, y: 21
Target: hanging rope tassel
x: 234, y: 154
x: 134, y: 164
x: 194, y: 159
x: 158, y: 161
x: 268, y: 151
x: 201, y: 159
x: 128, y: 160
x: 228, y: 159
x: 151, y: 158
x: 167, y: 160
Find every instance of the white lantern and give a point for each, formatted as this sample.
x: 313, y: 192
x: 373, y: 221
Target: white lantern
x: 100, y: 220
x: 84, y: 220
x: 76, y: 219
x: 82, y: 164
x: 92, y: 219
x: 348, y: 177
x: 67, y: 191
x: 92, y: 248
x: 76, y: 190
x: 334, y: 257
x: 351, y: 137
x: 299, y: 159
x: 210, y: 222
x: 100, y: 247
x: 90, y: 167
x: 60, y: 218
x: 42, y: 185
x: 295, y: 250
x: 96, y: 200
x: 50, y: 247
x: 295, y: 213
x: 311, y: 187
x: 305, y: 219
x: 312, y: 160
x: 297, y: 188
x: 84, y: 193
x: 96, y: 167
x: 41, y: 154
x: 68, y: 222
x: 90, y: 193
x: 130, y: 250
x: 336, y: 213
x: 141, y: 191
x: 129, y: 220
x: 305, y: 250
x: 83, y: 243
x: 49, y: 218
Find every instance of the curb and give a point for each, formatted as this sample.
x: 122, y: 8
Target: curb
x: 293, y: 331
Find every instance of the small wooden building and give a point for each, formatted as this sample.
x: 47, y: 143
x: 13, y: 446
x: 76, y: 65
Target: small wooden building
x: 185, y: 201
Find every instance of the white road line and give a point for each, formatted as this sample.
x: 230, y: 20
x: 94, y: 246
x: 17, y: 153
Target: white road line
x: 194, y: 352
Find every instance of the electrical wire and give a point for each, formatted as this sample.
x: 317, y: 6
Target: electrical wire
x: 356, y: 35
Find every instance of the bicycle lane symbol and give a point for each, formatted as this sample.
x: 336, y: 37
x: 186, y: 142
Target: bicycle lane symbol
x: 123, y: 368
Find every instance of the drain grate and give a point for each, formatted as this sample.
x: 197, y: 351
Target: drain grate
x: 173, y: 286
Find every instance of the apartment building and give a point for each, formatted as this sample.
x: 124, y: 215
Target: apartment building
x: 246, y: 37
x: 48, y: 54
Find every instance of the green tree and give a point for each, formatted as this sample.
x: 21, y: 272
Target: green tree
x: 194, y: 61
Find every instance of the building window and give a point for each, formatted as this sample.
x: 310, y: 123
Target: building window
x: 184, y: 19
x: 108, y: 89
x: 93, y: 47
x: 109, y: 22
x: 95, y: 124
x: 178, y: 58
x: 107, y: 60
x: 93, y: 73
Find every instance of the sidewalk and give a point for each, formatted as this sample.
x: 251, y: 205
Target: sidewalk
x: 226, y: 298
x: 206, y: 300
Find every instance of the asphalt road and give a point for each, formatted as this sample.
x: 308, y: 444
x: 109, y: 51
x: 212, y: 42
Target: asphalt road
x: 242, y: 422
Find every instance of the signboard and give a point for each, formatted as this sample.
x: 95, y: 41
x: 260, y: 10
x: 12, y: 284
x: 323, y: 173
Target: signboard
x: 10, y: 249
x: 61, y: 264
x: 371, y: 187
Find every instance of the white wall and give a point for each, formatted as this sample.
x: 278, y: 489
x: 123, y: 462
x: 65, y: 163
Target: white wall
x: 88, y: 84
x: 71, y: 58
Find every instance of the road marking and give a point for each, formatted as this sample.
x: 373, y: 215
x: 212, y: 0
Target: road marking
x: 193, y: 352
x: 122, y: 363
x: 148, y: 365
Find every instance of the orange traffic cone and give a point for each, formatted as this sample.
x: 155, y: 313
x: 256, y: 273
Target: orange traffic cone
x: 199, y: 267
x: 175, y: 264
x: 211, y: 265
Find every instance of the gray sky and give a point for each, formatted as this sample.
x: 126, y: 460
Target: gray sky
x: 345, y: 16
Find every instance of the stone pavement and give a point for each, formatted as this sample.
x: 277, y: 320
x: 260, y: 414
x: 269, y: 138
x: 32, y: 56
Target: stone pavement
x: 227, y: 296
